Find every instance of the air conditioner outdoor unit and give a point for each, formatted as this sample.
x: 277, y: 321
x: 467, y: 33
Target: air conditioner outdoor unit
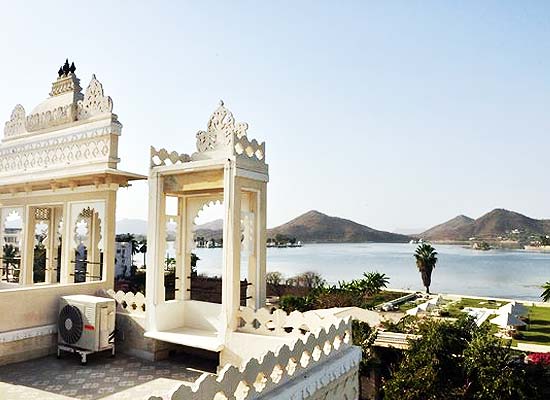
x: 86, y: 325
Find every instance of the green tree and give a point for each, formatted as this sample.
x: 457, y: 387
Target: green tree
x: 169, y: 264
x: 459, y: 360
x: 426, y: 259
x: 194, y: 259
x: 130, y: 238
x: 143, y: 250
x: 375, y: 281
x: 371, y: 284
x: 431, y: 368
x: 309, y: 280
x: 546, y: 292
x: 274, y: 280
x: 490, y: 372
x: 11, y: 262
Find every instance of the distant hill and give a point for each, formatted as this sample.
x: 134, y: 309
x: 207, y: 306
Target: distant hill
x: 210, y: 230
x: 458, y: 228
x: 315, y: 226
x: 498, y: 222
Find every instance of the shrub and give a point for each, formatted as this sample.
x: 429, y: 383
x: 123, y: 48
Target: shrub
x: 539, y: 358
x: 291, y: 303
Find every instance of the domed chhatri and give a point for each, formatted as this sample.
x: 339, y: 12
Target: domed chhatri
x: 66, y: 105
x: 58, y: 170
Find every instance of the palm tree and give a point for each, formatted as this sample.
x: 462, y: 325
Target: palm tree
x: 426, y: 258
x: 374, y: 282
x: 143, y: 249
x: 546, y: 293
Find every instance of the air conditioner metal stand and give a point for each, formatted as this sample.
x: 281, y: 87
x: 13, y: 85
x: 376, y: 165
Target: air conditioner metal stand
x: 83, y: 353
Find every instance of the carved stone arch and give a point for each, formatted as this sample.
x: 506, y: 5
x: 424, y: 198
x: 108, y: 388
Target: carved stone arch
x: 194, y: 208
x: 84, y: 210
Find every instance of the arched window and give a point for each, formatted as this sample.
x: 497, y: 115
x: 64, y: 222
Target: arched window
x: 87, y: 246
x: 12, y: 241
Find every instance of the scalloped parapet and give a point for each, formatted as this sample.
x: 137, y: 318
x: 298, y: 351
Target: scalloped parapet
x: 325, y: 363
x: 163, y: 157
x: 223, y: 138
x: 127, y: 302
x: 279, y: 323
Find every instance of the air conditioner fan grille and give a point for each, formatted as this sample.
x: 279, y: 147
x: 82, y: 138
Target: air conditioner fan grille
x: 70, y: 324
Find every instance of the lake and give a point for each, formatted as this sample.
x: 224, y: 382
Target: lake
x: 497, y: 273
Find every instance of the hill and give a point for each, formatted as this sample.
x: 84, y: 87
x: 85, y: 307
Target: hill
x: 458, y: 228
x: 314, y: 226
x: 494, y: 224
x: 210, y: 230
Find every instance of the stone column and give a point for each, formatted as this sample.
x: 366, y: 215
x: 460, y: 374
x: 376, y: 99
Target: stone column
x: 27, y: 247
x: 261, y: 239
x: 156, y: 238
x: 231, y: 251
x: 109, y: 232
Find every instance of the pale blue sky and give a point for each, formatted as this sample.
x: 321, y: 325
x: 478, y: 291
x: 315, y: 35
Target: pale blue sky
x: 394, y: 114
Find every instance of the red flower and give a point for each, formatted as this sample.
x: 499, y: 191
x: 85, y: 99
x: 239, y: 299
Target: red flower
x: 539, y: 358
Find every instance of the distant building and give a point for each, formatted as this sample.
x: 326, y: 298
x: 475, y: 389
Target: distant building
x: 12, y: 236
x: 123, y: 259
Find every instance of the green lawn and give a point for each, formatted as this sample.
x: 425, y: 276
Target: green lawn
x: 476, y: 303
x: 538, y: 330
x: 407, y: 306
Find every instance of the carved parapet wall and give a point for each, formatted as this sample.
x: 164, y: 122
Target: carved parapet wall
x: 250, y: 149
x: 127, y: 302
x: 279, y: 323
x: 72, y: 148
x: 318, y: 364
x: 162, y: 157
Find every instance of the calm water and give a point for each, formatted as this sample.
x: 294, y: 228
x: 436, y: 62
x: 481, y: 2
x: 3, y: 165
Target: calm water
x: 497, y: 273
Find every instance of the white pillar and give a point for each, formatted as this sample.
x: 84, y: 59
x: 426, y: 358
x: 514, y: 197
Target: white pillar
x: 156, y: 232
x: 27, y: 248
x: 261, y: 239
x: 109, y: 233
x: 231, y: 251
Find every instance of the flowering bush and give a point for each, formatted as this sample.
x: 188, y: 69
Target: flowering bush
x: 539, y: 358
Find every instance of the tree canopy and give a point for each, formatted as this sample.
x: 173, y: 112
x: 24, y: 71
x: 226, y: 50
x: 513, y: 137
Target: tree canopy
x: 426, y: 259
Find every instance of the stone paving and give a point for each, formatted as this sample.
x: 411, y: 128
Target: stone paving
x: 122, y: 377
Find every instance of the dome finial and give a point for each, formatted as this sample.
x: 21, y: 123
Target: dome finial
x: 221, y: 103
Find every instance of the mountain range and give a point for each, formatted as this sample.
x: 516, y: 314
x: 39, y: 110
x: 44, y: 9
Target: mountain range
x: 496, y: 223
x: 313, y: 226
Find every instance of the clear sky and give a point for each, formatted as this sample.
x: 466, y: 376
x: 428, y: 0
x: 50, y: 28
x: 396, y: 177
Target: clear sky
x: 394, y: 114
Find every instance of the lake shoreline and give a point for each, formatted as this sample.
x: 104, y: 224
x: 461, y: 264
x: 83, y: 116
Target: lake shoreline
x: 495, y: 273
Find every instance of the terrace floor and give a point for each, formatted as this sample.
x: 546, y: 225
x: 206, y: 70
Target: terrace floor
x: 122, y: 377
